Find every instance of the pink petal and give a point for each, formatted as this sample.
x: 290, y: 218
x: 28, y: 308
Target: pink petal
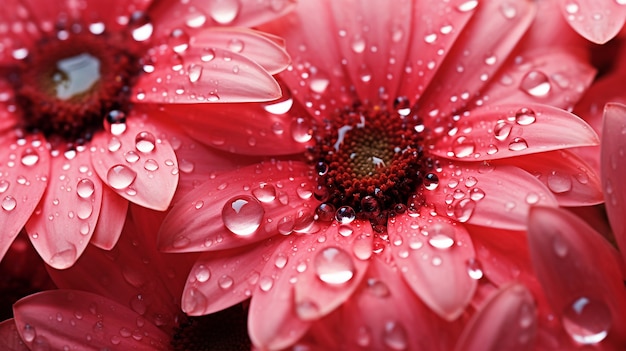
x: 572, y: 181
x: 488, y: 195
x: 201, y: 75
x: 473, y: 58
x: 597, y: 21
x: 613, y: 170
x: 20, y: 31
x: 137, y: 164
x: 58, y: 319
x: 275, y: 128
x: 65, y: 218
x: 225, y: 278
x: 111, y: 220
x: 506, y: 322
x: 249, y: 43
x: 430, y: 33
x: 8, y: 117
x: 10, y: 339
x: 553, y: 76
x: 514, y: 130
x: 586, y: 292
x: 24, y: 172
x: 271, y: 197
x: 433, y: 253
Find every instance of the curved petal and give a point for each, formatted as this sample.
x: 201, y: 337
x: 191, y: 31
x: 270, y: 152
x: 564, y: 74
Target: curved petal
x: 237, y: 208
x: 8, y: 117
x: 597, y: 21
x: 506, y: 322
x: 111, y: 220
x: 199, y: 75
x: 58, y: 319
x: 490, y: 195
x: 513, y: 130
x: 24, y: 174
x: 19, y: 32
x: 432, y: 253
x: 64, y: 221
x: 586, y: 292
x: 137, y: 163
x: 613, y: 170
x: 553, y: 76
x: 473, y: 60
x: 10, y: 339
x: 572, y: 181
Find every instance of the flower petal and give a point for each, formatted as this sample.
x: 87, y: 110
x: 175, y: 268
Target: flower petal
x: 137, y: 164
x: 10, y: 339
x: 613, y: 170
x: 8, y: 117
x: 587, y: 293
x: 506, y: 322
x: 514, y: 130
x: 58, y: 319
x: 65, y: 218
x: 20, y: 31
x: 597, y: 21
x: 571, y: 180
x: 24, y: 173
x: 488, y: 195
x: 554, y: 76
x: 473, y: 58
x: 204, y: 75
x: 238, y: 208
x: 111, y: 220
x: 432, y: 253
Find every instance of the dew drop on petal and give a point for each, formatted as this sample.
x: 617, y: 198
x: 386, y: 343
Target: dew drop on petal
x: 64, y: 257
x: 502, y: 130
x: 431, y: 181
x: 85, y: 188
x: 131, y: 156
x: 9, y: 203
x: 474, y: 269
x: 518, y: 144
x: 4, y: 185
x: 440, y: 235
x: 395, y: 336
x: 464, y: 209
x: 266, y: 283
x: 224, y: 11
x: 525, y: 116
x: 363, y: 337
x: 145, y: 142
x: 151, y: 165
x: 536, y: 83
x: 120, y: 177
x: 29, y: 333
x: 194, y: 72
x: 30, y: 157
x: 587, y: 320
x: 179, y: 40
x: 301, y: 130
x: 242, y: 215
x: 362, y: 247
x: 559, y: 183
x: 334, y: 266
x: 202, y: 273
x: 345, y: 214
x: 265, y: 192
x: 307, y: 309
x: 225, y: 282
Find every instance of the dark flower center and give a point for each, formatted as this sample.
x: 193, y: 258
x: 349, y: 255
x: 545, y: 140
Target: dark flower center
x: 67, y: 85
x: 225, y: 330
x: 369, y: 160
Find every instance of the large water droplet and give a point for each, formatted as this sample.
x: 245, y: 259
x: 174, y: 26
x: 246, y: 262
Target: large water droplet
x: 518, y: 144
x: 85, y: 188
x: 525, y: 116
x: 202, y: 273
x: 559, y: 182
x: 9, y: 203
x: 536, y: 83
x: 440, y: 235
x: 29, y: 333
x: 120, y: 177
x: 395, y: 336
x: 145, y: 142
x: 30, y: 157
x: 242, y: 215
x: 474, y: 268
x: 179, y: 40
x: 345, y: 214
x: 431, y: 181
x: 587, y: 320
x: 334, y: 266
x: 301, y: 130
x: 463, y: 147
x: 194, y: 72
x: 224, y: 11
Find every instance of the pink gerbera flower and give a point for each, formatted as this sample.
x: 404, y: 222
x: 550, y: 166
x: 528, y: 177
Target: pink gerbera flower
x: 422, y: 134
x: 82, y: 85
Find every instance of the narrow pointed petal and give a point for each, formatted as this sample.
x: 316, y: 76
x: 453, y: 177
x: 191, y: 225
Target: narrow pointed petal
x: 137, y: 164
x: 554, y: 76
x: 24, y: 175
x: 10, y: 339
x: 513, y: 130
x: 572, y: 181
x: 506, y: 322
x: 238, y: 208
x: 49, y: 320
x: 597, y: 21
x: 586, y: 293
x: 111, y: 220
x: 613, y: 169
x: 66, y: 217
x: 432, y: 253
x: 200, y: 75
x: 486, y: 194
x: 473, y: 58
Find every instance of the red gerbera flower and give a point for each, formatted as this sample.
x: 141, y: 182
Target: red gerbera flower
x: 82, y: 85
x: 423, y: 134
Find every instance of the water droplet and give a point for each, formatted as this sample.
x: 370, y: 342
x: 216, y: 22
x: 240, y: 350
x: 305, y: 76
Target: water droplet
x: 142, y: 28
x: 377, y: 287
x: 235, y: 45
x: 242, y: 215
x: 518, y: 144
x: 362, y: 247
x: 307, y: 309
x: 395, y: 336
x: 301, y: 130
x: 208, y: 54
x: 265, y: 192
x: 85, y: 188
x: 464, y: 209
x: 29, y: 333
x: 202, y: 273
x: 536, y: 83
x: 4, y: 186
x: 131, y: 156
x: 525, y: 116
x: 224, y: 11
x: 195, y: 20
x: 145, y: 142
x: 467, y: 6
x: 358, y: 44
x: 281, y: 261
x: 286, y: 225
x: 334, y: 266
x: 363, y: 337
x: 431, y: 181
x: 463, y: 147
x: 559, y: 182
x: 225, y: 282
x: 179, y: 40
x: 345, y: 214
x: 266, y: 283
x: 120, y: 177
x: 502, y: 130
x: 508, y: 10
x: 30, y: 157
x: 440, y: 235
x: 587, y: 320
x: 474, y: 269
x: 572, y: 7
x: 9, y: 203
x: 194, y: 72
x: 151, y: 165
x: 319, y: 83
x: 84, y: 210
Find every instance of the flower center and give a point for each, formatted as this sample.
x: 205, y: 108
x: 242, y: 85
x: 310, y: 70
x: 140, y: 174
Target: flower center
x: 68, y: 85
x: 221, y: 331
x: 369, y: 160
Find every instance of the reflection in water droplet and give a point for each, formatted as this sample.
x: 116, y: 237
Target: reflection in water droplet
x: 202, y: 273
x: 474, y: 269
x: 85, y: 188
x: 518, y: 144
x: 29, y: 333
x: 587, y: 320
x: 120, y: 177
x: 9, y: 203
x: 334, y: 266
x: 30, y: 157
x: 536, y: 83
x: 194, y: 72
x: 265, y: 192
x: 145, y: 142
x: 225, y: 282
x: 525, y: 116
x: 242, y: 215
x: 224, y: 11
